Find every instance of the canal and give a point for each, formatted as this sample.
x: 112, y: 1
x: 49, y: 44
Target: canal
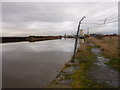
x: 34, y: 65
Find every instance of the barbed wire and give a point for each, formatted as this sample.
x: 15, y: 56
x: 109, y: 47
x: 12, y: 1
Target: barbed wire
x: 112, y: 22
x: 109, y: 19
x: 98, y: 23
x: 102, y: 23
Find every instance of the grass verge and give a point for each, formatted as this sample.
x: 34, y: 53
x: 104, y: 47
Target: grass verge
x: 110, y: 48
x: 81, y: 79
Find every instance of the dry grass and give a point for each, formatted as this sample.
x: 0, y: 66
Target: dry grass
x: 81, y: 79
x: 109, y: 46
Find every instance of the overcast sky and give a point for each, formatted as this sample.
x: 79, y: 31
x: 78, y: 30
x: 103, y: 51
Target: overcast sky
x: 57, y: 18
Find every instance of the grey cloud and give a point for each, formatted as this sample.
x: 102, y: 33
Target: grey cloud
x: 24, y: 18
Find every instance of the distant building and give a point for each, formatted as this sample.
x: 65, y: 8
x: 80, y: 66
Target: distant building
x: 81, y: 33
x: 87, y: 32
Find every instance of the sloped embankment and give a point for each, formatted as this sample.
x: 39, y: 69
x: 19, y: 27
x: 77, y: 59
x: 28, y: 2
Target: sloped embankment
x: 87, y: 71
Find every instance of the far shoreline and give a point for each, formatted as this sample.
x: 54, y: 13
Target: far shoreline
x: 29, y: 38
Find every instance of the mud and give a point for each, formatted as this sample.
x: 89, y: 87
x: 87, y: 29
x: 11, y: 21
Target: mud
x: 101, y: 72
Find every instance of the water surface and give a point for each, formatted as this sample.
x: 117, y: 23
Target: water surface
x: 34, y: 65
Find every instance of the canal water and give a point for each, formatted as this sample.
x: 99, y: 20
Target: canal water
x: 34, y: 65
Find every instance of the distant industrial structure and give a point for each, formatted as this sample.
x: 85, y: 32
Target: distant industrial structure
x: 81, y: 33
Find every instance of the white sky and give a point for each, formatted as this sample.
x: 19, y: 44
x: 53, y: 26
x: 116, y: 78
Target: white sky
x: 57, y: 18
x: 60, y: 0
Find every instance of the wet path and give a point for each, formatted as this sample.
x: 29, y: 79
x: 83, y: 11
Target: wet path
x: 101, y: 72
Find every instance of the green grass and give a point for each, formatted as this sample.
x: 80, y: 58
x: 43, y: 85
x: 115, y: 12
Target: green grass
x: 110, y: 49
x: 81, y: 80
x: 113, y: 63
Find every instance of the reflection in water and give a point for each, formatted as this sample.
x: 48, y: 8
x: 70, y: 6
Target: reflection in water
x: 34, y: 65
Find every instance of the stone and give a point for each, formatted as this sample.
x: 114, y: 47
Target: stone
x: 96, y: 51
x: 66, y: 82
x: 69, y: 70
x: 73, y: 63
x: 76, y: 67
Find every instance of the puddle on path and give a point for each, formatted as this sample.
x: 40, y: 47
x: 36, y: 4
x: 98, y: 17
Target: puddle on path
x: 101, y: 72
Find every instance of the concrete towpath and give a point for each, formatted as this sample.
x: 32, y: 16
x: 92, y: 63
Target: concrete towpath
x: 101, y: 72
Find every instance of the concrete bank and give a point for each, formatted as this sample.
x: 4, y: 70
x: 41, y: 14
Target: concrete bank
x: 88, y: 71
